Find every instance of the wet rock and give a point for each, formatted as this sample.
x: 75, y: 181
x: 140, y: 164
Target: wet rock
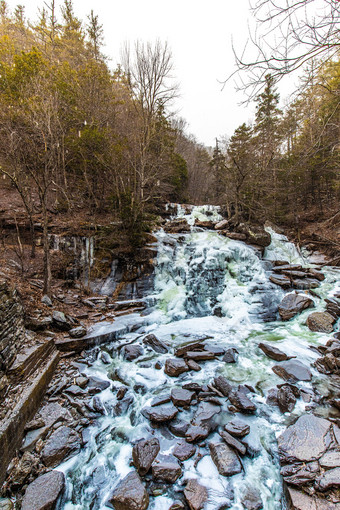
x: 130, y: 494
x: 251, y: 500
x: 328, y: 480
x: 181, y: 397
x: 123, y: 405
x: 60, y: 322
x: 234, y: 443
x: 286, y: 399
x: 198, y: 346
x: 292, y: 370
x: 237, y: 428
x: 162, y: 399
x: 196, y: 433
x: 223, y: 385
x: 43, y: 493
x: 231, y: 355
x: 98, y: 406
x: 320, y: 321
x: 192, y: 386
x: 121, y: 392
x: 196, y: 495
x: 82, y: 381
x: 174, y: 367
x: 63, y: 443
x: 77, y: 332
x: 179, y: 427
x: 32, y: 437
x: 304, y: 441
x: 193, y: 365
x: 255, y: 234
x: 155, y: 344
x: 205, y: 415
x: 160, y: 413
x: 238, y: 397
x: 292, y: 304
x: 300, y: 474
x: 26, y: 466
x: 105, y: 357
x: 74, y: 390
x: 301, y: 501
x: 166, y: 468
x: 330, y: 459
x: 184, y: 451
x: 200, y: 356
x: 131, y: 352
x: 144, y: 453
x: 158, y: 365
x: 225, y: 459
x: 53, y: 413
x: 281, y: 279
x: 273, y: 352
x: 96, y: 385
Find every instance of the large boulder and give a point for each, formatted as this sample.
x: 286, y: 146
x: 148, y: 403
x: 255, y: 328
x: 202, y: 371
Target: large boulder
x: 144, y: 453
x: 292, y: 304
x: 174, y: 367
x: 166, y: 468
x: 155, y: 344
x: 195, y: 494
x: 292, y: 370
x: 302, y: 501
x: 131, y: 352
x: 225, y: 459
x: 43, y: 493
x: 273, y: 352
x: 320, y: 321
x: 238, y: 397
x: 130, y: 494
x: 160, y: 414
x: 237, y: 428
x: 255, y: 234
x: 63, y: 443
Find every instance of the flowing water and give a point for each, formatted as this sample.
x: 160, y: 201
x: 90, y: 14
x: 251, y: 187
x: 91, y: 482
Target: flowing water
x: 205, y: 285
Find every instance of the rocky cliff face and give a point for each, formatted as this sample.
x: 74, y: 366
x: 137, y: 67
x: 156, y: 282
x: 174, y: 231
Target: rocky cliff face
x: 11, y: 330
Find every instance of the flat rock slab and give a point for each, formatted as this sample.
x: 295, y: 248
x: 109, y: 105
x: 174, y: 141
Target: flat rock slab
x: 175, y: 367
x: 130, y: 494
x: 237, y: 428
x: 292, y: 370
x: 234, y: 443
x: 60, y: 445
x: 301, y: 501
x: 238, y: 397
x: 195, y: 494
x: 181, y: 397
x: 155, y: 344
x: 320, y: 321
x: 273, y: 352
x: 144, y: 453
x: 43, y: 493
x: 251, y: 499
x: 166, y: 468
x: 329, y: 479
x: 225, y: 459
x: 292, y: 304
x: 204, y: 415
x: 160, y: 414
x: 184, y: 451
x: 305, y: 441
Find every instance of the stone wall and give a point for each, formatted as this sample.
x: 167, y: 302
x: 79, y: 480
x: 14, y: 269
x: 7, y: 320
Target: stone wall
x: 11, y: 329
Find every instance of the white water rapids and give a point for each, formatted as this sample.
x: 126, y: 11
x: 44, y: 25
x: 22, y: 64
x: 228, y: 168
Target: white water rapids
x: 205, y: 285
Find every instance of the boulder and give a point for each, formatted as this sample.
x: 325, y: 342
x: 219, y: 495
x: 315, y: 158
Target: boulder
x: 60, y: 322
x: 237, y: 428
x: 286, y: 399
x: 53, y: 413
x: 230, y: 355
x: 223, y: 385
x: 320, y: 321
x: 196, y: 495
x: 96, y: 385
x: 130, y: 494
x: 160, y: 413
x: 302, y: 501
x: 234, y: 443
x: 251, y: 499
x: 331, y: 459
x: 184, y: 451
x: 292, y: 370
x: 238, y: 397
x: 273, y: 352
x: 162, y: 399
x: 182, y: 397
x: 166, y: 468
x: 205, y: 415
x: 196, y: 433
x: 193, y: 365
x: 179, y: 427
x: 155, y: 344
x: 292, y: 304
x: 225, y: 459
x: 174, y: 367
x: 329, y: 479
x: 304, y: 441
x: 281, y: 280
x: 43, y: 493
x: 144, y: 453
x: 77, y: 332
x: 255, y: 234
x: 63, y: 443
x: 131, y: 352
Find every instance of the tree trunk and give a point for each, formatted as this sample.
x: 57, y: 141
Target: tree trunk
x: 47, y: 262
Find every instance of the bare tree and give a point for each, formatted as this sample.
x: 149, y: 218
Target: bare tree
x: 288, y: 35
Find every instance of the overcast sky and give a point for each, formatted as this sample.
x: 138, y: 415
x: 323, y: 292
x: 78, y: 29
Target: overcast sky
x: 199, y: 33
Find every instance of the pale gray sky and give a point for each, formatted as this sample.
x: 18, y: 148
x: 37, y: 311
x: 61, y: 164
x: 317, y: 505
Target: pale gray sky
x: 199, y: 34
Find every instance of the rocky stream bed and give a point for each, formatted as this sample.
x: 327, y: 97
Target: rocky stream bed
x: 223, y: 392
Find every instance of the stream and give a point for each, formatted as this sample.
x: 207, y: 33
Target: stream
x: 205, y: 286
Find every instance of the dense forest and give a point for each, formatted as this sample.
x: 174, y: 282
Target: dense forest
x: 76, y: 134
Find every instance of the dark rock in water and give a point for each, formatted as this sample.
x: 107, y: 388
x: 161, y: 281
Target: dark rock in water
x: 193, y: 365
x: 205, y: 415
x: 237, y: 428
x: 225, y: 459
x: 234, y: 443
x: 130, y: 494
x: 292, y: 370
x: 255, y: 234
x: 223, y: 385
x: 198, y: 346
x: 43, y: 493
x: 160, y: 413
x: 131, y: 352
x: 105, y: 357
x: 166, y: 468
x: 31, y: 439
x: 78, y: 332
x: 184, y: 451
x: 162, y: 399
x: 53, y: 413
x: 123, y: 405
x: 174, y: 367
x: 286, y: 399
x: 300, y: 474
x: 122, y: 392
x: 320, y: 321
x: 280, y: 279
x: 192, y: 386
x: 196, y: 495
x: 292, y: 304
x: 196, y: 433
x: 200, y: 356
x: 273, y: 352
x: 96, y: 385
x: 231, y: 355
x: 74, y: 390
x: 271, y: 399
x: 63, y: 443
x: 179, y: 427
x: 251, y: 500
x: 301, y: 501
x: 238, y: 398
x: 98, y: 405
x: 158, y: 365
x: 328, y: 480
x: 144, y: 453
x: 155, y: 344
x: 214, y: 348
x: 253, y: 445
x: 182, y: 397
x: 306, y: 440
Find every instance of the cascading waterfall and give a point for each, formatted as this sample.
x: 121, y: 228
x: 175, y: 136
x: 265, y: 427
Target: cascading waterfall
x: 206, y: 285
